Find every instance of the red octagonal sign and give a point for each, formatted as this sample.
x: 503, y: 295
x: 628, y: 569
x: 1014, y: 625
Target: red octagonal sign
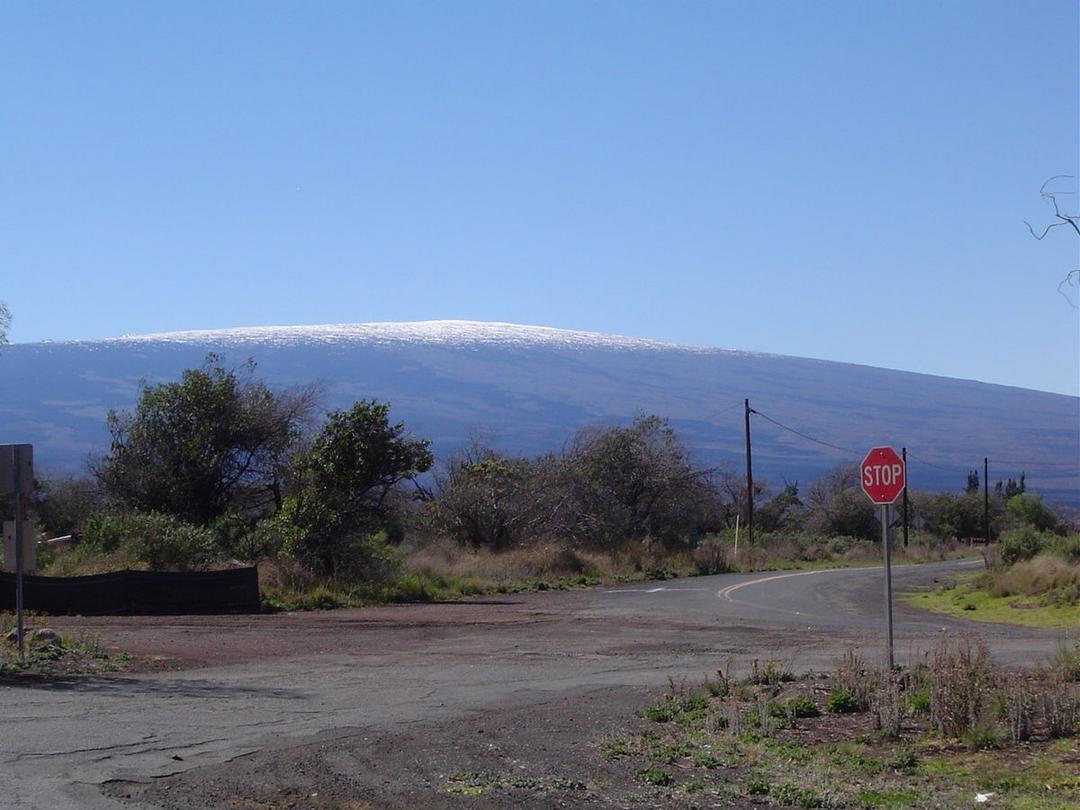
x: 882, y: 475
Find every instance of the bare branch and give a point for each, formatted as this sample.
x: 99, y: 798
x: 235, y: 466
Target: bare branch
x: 1072, y: 278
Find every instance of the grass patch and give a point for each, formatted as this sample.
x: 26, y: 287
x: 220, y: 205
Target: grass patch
x: 966, y: 601
x: 477, y: 783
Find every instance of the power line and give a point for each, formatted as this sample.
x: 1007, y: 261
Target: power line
x: 722, y: 411
x: 768, y: 418
x: 931, y: 463
x: 1034, y: 463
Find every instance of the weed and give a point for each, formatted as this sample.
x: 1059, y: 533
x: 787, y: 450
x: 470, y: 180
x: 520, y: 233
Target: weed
x: 616, y: 748
x: 705, y: 759
x: 960, y: 681
x: 654, y: 776
x: 789, y: 751
x: 668, y: 754
x: 888, y: 707
x: 794, y: 796
x: 903, y: 759
x: 768, y: 674
x: 1017, y: 705
x: 1066, y: 662
x: 919, y: 701
x: 720, y: 687
x: 562, y: 783
x: 842, y: 702
x: 663, y: 713
x: 981, y: 737
x: 854, y: 679
x: 1060, y: 703
x: 885, y: 798
x: 757, y: 786
x: 802, y: 707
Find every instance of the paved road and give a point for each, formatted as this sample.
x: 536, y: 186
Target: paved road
x: 349, y: 672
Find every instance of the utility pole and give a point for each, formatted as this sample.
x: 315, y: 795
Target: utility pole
x: 749, y: 477
x: 986, y: 498
x: 903, y: 455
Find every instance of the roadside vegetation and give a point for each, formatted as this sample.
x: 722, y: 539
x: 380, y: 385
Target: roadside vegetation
x: 948, y: 729
x: 216, y: 469
x: 1032, y: 574
x: 49, y: 654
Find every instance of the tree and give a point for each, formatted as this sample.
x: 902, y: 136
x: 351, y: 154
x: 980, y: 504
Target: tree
x: 636, y: 482
x: 1028, y: 509
x: 972, y: 484
x: 783, y: 512
x: 214, y: 442
x: 344, y: 485
x: 5, y: 322
x: 839, y: 507
x: 1014, y: 488
x: 485, y: 499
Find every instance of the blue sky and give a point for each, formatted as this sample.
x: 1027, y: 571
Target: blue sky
x: 828, y: 179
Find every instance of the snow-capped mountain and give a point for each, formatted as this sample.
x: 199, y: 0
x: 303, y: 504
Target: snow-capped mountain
x: 526, y: 388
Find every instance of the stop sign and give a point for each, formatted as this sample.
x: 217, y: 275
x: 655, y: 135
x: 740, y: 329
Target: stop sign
x: 882, y: 475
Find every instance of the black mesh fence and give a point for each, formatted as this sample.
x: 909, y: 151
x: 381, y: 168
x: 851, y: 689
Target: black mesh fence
x: 137, y: 592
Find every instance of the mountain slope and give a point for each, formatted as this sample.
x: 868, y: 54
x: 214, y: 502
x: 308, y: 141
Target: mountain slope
x: 527, y: 388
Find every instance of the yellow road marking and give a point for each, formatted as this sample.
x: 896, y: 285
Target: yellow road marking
x: 725, y: 593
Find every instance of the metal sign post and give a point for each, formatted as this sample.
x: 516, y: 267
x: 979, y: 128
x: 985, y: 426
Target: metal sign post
x: 883, y: 476
x: 888, y: 579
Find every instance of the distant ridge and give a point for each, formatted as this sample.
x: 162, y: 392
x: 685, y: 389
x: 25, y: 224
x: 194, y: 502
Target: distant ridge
x: 527, y: 388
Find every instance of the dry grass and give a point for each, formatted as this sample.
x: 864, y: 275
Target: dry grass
x: 1036, y: 576
x: 961, y: 679
x: 544, y: 563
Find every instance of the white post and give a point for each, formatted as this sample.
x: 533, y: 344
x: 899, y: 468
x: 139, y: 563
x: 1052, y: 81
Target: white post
x: 736, y: 538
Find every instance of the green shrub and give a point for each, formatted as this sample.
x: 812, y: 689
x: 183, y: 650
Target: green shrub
x: 178, y: 547
x: 654, y: 776
x: 842, y: 702
x: 230, y: 534
x: 161, y: 541
x: 1022, y: 543
x: 1067, y: 547
x: 919, y: 702
x: 802, y: 707
x: 982, y: 736
x: 660, y: 714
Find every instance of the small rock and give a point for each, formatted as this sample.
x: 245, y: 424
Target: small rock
x: 45, y: 635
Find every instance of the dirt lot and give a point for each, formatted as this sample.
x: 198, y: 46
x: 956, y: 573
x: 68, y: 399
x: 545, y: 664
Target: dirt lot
x: 489, y: 703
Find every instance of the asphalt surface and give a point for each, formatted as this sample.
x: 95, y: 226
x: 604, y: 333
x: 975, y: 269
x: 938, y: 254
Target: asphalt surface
x: 316, y: 676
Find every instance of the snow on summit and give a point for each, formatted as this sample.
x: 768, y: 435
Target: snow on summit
x: 447, y: 333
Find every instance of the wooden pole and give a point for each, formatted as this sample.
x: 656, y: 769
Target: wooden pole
x: 749, y: 478
x: 903, y: 454
x: 986, y: 498
x: 20, y: 630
